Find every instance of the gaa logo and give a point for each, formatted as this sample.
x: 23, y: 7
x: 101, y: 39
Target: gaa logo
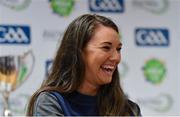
x: 14, y: 34
x: 106, y: 6
x: 152, y: 37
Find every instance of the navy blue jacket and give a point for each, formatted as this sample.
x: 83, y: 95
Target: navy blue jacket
x: 75, y: 104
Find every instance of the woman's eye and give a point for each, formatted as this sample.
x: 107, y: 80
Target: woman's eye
x: 106, y: 48
x: 118, y: 49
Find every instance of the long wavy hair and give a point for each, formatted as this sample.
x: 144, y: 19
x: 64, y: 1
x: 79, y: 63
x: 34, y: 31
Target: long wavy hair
x: 68, y: 68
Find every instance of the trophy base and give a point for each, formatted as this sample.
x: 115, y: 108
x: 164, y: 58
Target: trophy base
x: 7, y: 113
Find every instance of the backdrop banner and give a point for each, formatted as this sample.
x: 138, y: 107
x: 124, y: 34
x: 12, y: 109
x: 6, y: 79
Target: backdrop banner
x: 149, y: 30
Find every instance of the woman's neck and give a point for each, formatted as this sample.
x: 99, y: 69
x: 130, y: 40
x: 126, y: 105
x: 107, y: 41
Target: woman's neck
x: 88, y: 89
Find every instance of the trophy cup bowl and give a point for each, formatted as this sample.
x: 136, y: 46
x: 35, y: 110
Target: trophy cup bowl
x: 14, y: 70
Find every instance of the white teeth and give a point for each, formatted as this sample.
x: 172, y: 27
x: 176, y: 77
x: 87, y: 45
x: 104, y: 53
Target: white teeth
x: 108, y: 67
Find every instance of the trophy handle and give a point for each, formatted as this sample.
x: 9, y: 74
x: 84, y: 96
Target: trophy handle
x: 23, y: 75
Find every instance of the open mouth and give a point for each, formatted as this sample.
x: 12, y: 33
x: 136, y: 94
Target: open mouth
x: 108, y: 69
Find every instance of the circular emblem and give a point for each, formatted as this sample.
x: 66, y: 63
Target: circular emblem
x: 62, y: 7
x: 16, y: 4
x: 154, y: 71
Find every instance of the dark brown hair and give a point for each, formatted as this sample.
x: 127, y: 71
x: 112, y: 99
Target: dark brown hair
x: 68, y: 67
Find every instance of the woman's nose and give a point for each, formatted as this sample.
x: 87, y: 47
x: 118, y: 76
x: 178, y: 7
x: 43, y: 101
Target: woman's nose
x: 115, y: 56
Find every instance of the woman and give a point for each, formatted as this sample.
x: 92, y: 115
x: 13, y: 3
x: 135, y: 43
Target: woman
x: 84, y: 79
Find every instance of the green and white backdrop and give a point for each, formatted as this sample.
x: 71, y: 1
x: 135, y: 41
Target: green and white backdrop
x: 149, y: 29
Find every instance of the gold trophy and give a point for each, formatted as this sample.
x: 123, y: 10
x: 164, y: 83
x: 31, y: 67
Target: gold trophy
x: 14, y: 70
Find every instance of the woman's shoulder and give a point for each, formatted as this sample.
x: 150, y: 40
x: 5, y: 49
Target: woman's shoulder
x: 135, y: 109
x: 47, y: 104
x: 50, y: 96
x: 46, y: 96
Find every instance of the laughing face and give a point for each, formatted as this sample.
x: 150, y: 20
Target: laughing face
x: 101, y: 56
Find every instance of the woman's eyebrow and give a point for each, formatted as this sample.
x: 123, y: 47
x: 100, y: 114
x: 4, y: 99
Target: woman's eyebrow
x: 109, y: 43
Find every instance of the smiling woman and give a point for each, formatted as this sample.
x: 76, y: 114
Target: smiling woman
x: 101, y: 57
x: 84, y: 79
